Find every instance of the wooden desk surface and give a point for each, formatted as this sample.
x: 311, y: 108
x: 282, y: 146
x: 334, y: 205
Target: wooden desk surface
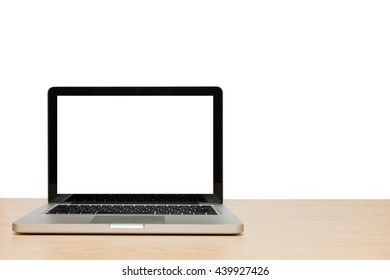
x: 274, y: 229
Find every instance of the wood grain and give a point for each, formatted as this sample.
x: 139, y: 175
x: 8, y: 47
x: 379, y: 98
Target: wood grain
x: 274, y: 229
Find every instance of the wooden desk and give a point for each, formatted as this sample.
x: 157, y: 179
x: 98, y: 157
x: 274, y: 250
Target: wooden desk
x: 274, y: 229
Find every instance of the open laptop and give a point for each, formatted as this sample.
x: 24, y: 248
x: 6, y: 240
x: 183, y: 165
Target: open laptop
x: 125, y: 160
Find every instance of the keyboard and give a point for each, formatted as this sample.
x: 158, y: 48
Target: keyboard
x: 133, y: 209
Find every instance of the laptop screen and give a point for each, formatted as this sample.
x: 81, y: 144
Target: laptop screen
x: 135, y: 144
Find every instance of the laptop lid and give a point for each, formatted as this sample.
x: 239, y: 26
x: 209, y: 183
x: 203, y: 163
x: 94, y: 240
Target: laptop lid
x: 135, y: 144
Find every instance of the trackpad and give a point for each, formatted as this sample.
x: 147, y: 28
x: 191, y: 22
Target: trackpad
x: 128, y: 220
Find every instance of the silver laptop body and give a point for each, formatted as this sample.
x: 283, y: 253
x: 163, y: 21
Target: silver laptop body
x: 133, y: 160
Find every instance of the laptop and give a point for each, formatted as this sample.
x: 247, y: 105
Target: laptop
x: 133, y: 160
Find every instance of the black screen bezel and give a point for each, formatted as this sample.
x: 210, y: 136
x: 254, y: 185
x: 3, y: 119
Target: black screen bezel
x: 216, y: 92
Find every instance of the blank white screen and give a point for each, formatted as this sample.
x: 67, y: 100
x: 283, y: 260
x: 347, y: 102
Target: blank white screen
x: 135, y: 144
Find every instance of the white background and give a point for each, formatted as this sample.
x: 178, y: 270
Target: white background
x: 306, y: 84
x: 278, y: 270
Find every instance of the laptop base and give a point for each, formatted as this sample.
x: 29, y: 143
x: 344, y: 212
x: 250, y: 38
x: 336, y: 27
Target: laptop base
x: 37, y: 222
